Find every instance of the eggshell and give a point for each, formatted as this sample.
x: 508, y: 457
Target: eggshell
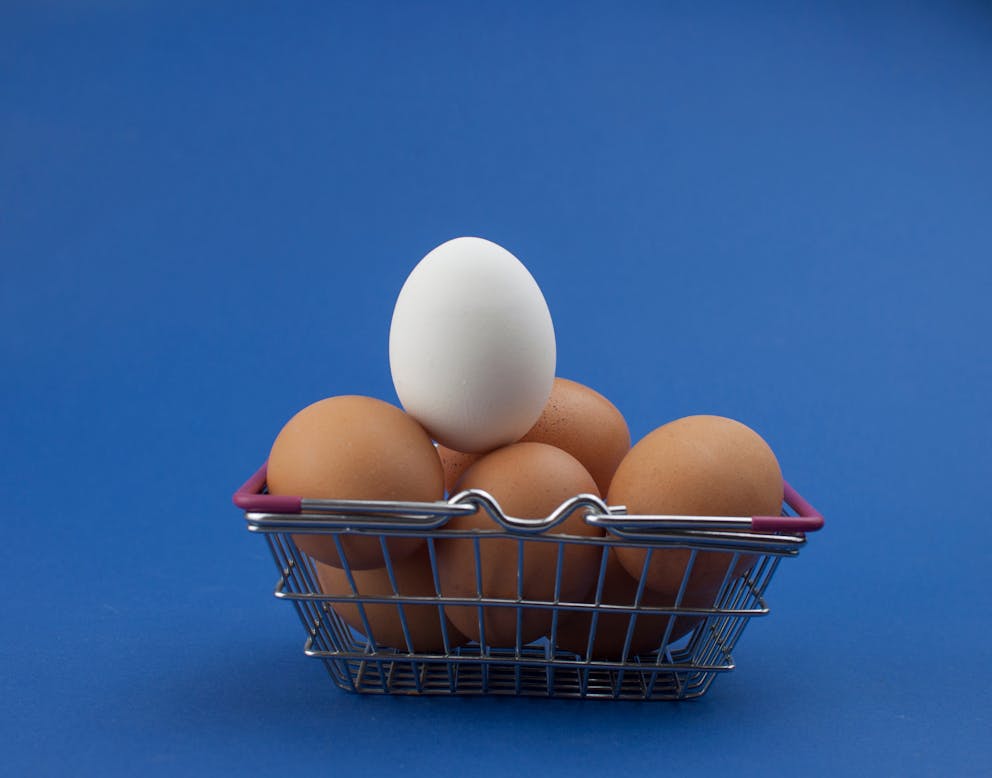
x: 355, y: 448
x: 413, y: 579
x: 619, y: 588
x: 529, y: 480
x: 582, y: 422
x: 700, y: 466
x: 472, y: 346
x: 454, y: 463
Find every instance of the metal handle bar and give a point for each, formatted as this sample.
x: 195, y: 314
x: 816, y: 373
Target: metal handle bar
x: 390, y: 514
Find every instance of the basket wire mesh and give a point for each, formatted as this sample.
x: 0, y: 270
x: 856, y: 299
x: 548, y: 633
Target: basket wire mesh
x: 678, y: 664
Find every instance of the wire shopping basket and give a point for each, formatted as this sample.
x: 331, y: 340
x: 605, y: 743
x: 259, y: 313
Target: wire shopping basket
x: 633, y: 645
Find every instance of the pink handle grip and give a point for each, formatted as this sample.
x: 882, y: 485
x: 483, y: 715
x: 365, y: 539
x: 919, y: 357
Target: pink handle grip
x: 808, y: 520
x: 250, y: 498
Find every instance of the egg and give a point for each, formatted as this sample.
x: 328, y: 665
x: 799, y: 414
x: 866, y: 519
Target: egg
x: 620, y: 588
x: 582, y: 422
x: 454, y: 463
x: 529, y: 480
x: 355, y: 448
x: 413, y: 578
x: 472, y: 346
x: 699, y: 466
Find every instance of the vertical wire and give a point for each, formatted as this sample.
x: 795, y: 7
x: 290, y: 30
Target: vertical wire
x: 483, y: 643
x: 552, y: 646
x: 670, y: 624
x: 518, y: 636
x: 445, y: 637
x: 404, y: 626
x: 633, y: 618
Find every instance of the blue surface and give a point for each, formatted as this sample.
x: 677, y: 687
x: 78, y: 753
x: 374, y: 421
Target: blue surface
x: 780, y: 214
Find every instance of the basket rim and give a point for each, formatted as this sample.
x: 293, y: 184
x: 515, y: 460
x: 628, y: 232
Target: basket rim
x: 291, y: 513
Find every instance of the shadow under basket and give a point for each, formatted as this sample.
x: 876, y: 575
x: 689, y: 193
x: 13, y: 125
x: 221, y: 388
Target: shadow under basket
x: 663, y: 649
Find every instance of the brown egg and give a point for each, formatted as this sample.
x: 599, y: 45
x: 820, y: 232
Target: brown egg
x: 699, y: 466
x: 413, y: 579
x: 454, y: 463
x: 529, y: 480
x: 619, y: 588
x: 355, y: 448
x: 582, y: 422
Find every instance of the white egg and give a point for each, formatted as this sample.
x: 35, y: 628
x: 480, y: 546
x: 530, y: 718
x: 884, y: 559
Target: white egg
x: 472, y: 346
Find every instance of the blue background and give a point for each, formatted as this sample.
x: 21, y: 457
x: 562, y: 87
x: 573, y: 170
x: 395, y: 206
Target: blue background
x: 776, y: 212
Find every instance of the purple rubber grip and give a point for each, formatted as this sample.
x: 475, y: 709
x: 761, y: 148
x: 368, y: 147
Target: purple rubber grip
x: 250, y: 498
x: 808, y: 520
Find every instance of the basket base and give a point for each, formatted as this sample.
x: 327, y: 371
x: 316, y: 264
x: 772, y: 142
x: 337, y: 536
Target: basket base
x: 532, y: 672
x: 439, y: 678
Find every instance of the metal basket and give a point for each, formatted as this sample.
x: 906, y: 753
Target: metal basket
x: 676, y: 666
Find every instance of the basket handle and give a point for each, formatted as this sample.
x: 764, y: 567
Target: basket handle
x: 250, y: 498
x: 807, y: 520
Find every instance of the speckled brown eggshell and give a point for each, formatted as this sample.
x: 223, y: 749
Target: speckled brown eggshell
x: 413, y: 579
x: 529, y: 480
x: 699, y: 466
x: 454, y: 463
x: 584, y: 423
x: 355, y: 448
